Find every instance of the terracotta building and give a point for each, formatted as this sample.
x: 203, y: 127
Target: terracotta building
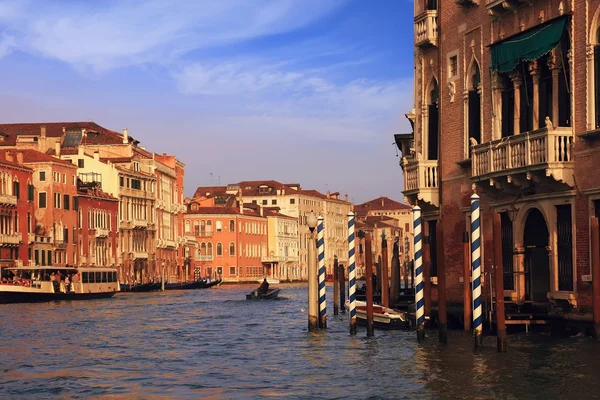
x: 17, y: 196
x: 231, y: 242
x: 98, y: 226
x: 512, y: 88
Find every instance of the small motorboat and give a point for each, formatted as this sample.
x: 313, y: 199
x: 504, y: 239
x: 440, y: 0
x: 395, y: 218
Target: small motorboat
x: 269, y: 295
x: 383, y: 317
x: 270, y: 280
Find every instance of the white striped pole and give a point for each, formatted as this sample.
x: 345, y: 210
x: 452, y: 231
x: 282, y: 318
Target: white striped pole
x: 351, y: 273
x: 476, y: 268
x: 321, y: 253
x: 419, y: 285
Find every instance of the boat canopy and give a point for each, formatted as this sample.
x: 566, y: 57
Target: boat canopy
x: 56, y: 268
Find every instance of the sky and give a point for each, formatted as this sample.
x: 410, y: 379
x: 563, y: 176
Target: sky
x: 304, y: 91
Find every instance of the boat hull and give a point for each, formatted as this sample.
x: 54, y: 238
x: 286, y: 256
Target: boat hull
x: 383, y: 318
x: 270, y: 295
x: 29, y: 297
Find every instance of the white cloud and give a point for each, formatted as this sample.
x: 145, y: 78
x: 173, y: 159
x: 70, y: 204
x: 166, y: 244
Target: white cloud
x: 274, y: 100
x: 127, y: 33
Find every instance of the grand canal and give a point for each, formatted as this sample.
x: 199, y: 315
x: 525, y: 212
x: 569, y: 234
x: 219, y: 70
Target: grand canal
x: 214, y: 343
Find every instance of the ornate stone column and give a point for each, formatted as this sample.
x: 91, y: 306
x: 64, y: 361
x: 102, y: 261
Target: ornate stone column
x: 497, y: 88
x: 517, y: 81
x: 555, y: 65
x: 535, y: 77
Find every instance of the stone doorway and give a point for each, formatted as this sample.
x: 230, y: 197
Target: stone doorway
x: 537, y: 260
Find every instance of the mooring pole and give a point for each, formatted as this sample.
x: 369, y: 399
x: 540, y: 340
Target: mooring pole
x: 351, y: 274
x: 476, y: 269
x: 499, y: 275
x: 385, y: 281
x: 420, y: 305
x: 427, y: 278
x: 595, y: 241
x: 369, y: 272
x: 336, y: 300
x: 313, y: 319
x: 342, y: 281
x: 441, y: 272
x: 321, y: 252
x: 466, y: 282
x: 406, y: 267
x: 377, y: 287
x: 395, y: 285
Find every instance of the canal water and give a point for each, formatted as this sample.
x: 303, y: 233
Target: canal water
x: 214, y: 343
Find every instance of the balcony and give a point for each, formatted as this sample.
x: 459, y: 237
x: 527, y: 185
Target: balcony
x: 31, y: 237
x: 10, y: 239
x: 204, y: 258
x: 271, y: 259
x: 139, y: 223
x: 140, y: 255
x: 60, y: 244
x: 101, y: 233
x: 421, y: 181
x: 170, y: 243
x: 497, y: 8
x: 204, y: 234
x: 524, y: 154
x: 426, y: 32
x: 8, y: 200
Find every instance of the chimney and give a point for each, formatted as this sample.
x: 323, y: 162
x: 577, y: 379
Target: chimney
x: 20, y: 157
x: 345, y: 197
x: 382, y: 202
x: 261, y: 211
x: 97, y: 155
x: 43, y: 132
x: 9, y: 156
x: 57, y: 148
x: 328, y: 194
x: 241, y: 206
x: 125, y: 136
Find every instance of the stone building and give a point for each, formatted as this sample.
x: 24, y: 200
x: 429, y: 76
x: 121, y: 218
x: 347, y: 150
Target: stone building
x: 512, y: 88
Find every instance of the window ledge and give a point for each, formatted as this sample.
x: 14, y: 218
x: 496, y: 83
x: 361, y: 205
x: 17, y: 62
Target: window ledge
x: 464, y: 163
x: 590, y: 135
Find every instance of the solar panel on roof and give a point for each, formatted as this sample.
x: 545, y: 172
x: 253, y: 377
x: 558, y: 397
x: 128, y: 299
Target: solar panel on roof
x: 72, y: 139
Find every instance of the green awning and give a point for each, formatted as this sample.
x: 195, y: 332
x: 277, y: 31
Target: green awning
x: 528, y: 45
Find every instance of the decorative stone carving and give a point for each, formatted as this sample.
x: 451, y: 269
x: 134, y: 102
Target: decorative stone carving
x: 451, y: 91
x: 548, y: 123
x: 473, y: 141
x: 589, y: 52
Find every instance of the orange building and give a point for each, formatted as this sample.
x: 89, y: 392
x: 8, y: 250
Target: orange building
x: 232, y: 242
x: 55, y: 215
x: 16, y: 210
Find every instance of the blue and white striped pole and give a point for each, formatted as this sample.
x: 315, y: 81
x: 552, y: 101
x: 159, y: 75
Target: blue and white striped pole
x: 476, y: 268
x: 321, y: 253
x: 419, y: 285
x: 351, y: 274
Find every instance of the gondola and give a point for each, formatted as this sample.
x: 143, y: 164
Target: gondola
x: 140, y: 287
x: 186, y: 285
x: 269, y: 295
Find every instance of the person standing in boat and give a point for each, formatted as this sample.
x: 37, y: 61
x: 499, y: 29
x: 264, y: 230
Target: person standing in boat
x: 264, y: 286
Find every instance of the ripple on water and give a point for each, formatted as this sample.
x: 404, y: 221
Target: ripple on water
x: 214, y: 343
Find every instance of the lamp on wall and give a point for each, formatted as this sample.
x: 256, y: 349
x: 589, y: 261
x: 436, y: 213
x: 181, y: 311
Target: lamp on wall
x: 512, y: 212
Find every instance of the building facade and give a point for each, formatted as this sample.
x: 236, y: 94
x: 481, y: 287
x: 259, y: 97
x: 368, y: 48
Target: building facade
x: 283, y: 246
x: 522, y: 136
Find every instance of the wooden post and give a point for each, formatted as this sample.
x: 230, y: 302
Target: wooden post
x: 406, y: 267
x: 369, y: 277
x: 441, y: 271
x: 385, y: 285
x: 342, y: 281
x: 395, y: 285
x: 427, y: 277
x: 377, y: 288
x: 467, y: 281
x: 336, y: 300
x: 499, y: 275
x: 595, y: 239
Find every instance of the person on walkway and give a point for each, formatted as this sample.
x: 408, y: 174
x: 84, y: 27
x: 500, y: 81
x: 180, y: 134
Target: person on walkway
x: 264, y: 286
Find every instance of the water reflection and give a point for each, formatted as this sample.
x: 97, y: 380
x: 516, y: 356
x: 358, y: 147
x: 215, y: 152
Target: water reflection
x: 214, y: 343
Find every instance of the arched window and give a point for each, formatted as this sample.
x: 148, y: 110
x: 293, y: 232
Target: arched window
x: 209, y: 249
x: 202, y: 228
x: 597, y: 80
x: 432, y: 121
x: 187, y: 226
x: 196, y: 228
x: 232, y: 226
x: 474, y: 99
x: 203, y: 249
x: 219, y: 249
x: 232, y: 249
x: 219, y: 226
x: 209, y: 228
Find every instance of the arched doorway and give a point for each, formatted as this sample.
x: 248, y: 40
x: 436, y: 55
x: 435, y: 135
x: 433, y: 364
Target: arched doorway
x: 537, y: 261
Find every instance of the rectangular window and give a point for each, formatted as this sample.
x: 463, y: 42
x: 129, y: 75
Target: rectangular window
x: 17, y: 190
x: 80, y: 163
x: 564, y: 229
x: 265, y: 202
x: 56, y: 200
x: 42, y: 176
x: 274, y: 202
x: 121, y: 181
x: 231, y: 271
x: 66, y: 201
x: 253, y: 201
x: 453, y: 66
x: 66, y: 235
x: 64, y: 178
x: 136, y: 184
x: 292, y: 201
x: 30, y: 192
x: 75, y: 203
x: 42, y: 200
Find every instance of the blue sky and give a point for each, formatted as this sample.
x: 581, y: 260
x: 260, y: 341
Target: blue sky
x: 307, y: 91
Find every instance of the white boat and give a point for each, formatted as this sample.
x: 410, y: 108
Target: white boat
x: 383, y: 317
x: 38, y: 284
